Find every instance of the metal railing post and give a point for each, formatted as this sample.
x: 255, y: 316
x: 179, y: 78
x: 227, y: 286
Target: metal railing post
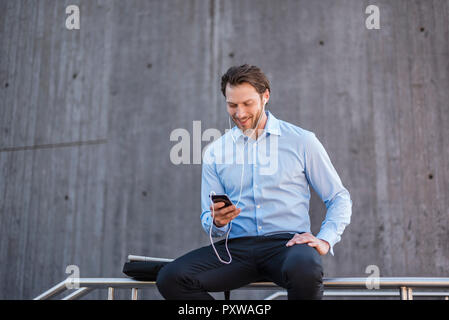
x: 410, y: 294
x: 403, y: 293
x: 134, y: 294
x: 110, y: 293
x: 406, y: 293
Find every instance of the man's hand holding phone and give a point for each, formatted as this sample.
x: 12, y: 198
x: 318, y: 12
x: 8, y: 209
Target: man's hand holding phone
x: 224, y: 212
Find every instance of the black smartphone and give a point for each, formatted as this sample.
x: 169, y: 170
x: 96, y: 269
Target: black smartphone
x: 221, y: 198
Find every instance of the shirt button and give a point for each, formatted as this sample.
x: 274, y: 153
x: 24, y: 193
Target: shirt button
x: 258, y: 206
x: 260, y: 227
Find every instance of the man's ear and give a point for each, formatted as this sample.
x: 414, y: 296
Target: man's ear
x: 266, y: 96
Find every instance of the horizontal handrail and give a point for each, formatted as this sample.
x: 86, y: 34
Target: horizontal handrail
x: 391, y: 282
x: 404, y: 284
x: 383, y: 282
x: 132, y: 257
x: 367, y: 293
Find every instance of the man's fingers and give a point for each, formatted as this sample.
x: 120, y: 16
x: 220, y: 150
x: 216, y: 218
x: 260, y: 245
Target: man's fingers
x: 296, y: 241
x: 226, y: 218
x: 233, y: 211
x: 228, y: 213
x: 300, y: 239
x: 232, y: 214
x: 217, y: 205
x: 304, y: 240
x: 308, y: 238
x: 225, y: 211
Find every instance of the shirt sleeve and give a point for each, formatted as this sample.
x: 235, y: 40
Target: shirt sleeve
x: 324, y: 179
x: 210, y: 182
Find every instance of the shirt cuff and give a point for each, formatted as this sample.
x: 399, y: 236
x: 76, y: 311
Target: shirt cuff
x: 216, y: 231
x: 219, y: 231
x: 328, y: 236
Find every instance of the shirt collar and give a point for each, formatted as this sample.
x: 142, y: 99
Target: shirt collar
x: 271, y: 127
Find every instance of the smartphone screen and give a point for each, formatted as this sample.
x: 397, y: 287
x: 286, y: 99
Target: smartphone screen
x: 221, y: 198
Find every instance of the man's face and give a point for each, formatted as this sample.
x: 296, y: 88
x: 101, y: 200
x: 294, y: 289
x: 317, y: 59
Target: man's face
x: 244, y: 105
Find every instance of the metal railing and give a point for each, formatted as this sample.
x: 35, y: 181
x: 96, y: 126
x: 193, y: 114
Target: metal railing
x: 370, y: 294
x: 402, y: 287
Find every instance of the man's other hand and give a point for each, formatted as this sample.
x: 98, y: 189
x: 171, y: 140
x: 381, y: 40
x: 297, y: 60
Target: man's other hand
x: 321, y: 246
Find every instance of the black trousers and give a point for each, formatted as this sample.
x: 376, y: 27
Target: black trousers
x: 297, y: 268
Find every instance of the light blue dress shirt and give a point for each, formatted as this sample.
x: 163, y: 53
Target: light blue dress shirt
x: 278, y: 168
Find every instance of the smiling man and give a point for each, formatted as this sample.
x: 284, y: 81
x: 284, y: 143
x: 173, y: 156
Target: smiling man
x: 244, y: 106
x: 268, y: 224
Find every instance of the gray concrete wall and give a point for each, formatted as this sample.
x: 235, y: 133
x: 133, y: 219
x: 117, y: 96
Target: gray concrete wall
x: 86, y: 117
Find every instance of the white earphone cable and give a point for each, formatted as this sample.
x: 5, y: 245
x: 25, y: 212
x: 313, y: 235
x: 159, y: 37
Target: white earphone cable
x: 240, y: 194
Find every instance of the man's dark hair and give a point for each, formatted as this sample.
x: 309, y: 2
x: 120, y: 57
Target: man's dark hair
x: 245, y: 73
